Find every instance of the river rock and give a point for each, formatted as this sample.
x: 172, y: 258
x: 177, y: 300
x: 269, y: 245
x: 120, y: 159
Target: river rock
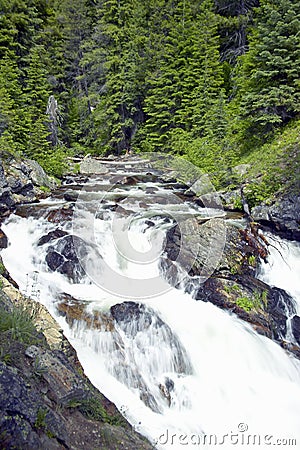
x: 92, y: 166
x: 54, y: 260
x: 283, y: 216
x: 51, y: 236
x: 3, y: 239
x: 68, y: 256
x: 296, y: 328
x: 133, y: 317
x: 60, y: 215
x: 71, y: 196
x: 233, y: 285
x: 20, y: 182
x: 63, y: 257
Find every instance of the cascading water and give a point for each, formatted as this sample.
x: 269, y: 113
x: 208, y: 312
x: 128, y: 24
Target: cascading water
x: 185, y: 373
x: 283, y: 267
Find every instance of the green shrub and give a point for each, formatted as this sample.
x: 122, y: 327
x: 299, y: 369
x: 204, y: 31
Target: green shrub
x: 55, y: 163
x: 92, y: 409
x: 18, y: 323
x: 245, y: 303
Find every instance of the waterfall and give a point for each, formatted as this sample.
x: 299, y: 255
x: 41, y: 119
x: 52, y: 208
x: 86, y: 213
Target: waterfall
x: 184, y: 373
x: 283, y: 267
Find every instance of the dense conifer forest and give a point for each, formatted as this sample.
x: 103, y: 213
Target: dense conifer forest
x: 215, y: 81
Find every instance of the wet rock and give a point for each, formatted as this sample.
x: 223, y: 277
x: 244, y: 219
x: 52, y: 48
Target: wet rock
x: 282, y: 217
x: 131, y: 313
x: 296, y: 328
x: 75, y: 310
x: 7, y: 202
x: 3, y: 239
x: 124, y: 181
x: 60, y: 215
x: 238, y: 299
x: 149, y: 223
x: 196, y: 247
x: 233, y: 285
x: 122, y: 211
x: 68, y: 255
x: 54, y: 260
x: 51, y: 236
x: 72, y: 247
x: 166, y: 388
x: 151, y: 190
x: 71, y: 196
x: 133, y: 318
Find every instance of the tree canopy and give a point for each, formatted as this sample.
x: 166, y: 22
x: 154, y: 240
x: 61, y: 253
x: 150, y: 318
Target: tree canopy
x: 196, y: 78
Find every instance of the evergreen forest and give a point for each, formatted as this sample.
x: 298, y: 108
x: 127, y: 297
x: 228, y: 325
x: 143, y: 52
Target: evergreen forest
x: 214, y: 81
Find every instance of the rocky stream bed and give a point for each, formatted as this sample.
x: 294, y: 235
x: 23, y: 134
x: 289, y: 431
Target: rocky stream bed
x: 46, y: 401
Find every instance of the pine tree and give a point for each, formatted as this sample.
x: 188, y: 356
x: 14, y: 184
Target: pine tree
x: 72, y: 28
x: 117, y: 94
x: 269, y: 88
x: 185, y: 90
x: 36, y: 94
x: 12, y: 116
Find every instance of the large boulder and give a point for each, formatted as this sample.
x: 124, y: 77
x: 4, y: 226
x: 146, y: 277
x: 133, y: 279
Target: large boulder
x: 20, y: 182
x: 36, y: 174
x: 68, y: 255
x: 282, y: 216
x: 233, y: 285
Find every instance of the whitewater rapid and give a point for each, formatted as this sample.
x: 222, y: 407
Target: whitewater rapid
x: 243, y: 389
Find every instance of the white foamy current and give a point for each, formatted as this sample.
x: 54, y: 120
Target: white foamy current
x: 232, y: 388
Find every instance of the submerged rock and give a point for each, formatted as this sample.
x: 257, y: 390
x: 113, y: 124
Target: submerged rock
x: 131, y: 322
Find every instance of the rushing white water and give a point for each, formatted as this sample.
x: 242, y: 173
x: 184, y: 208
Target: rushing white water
x: 236, y: 387
x: 283, y: 267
